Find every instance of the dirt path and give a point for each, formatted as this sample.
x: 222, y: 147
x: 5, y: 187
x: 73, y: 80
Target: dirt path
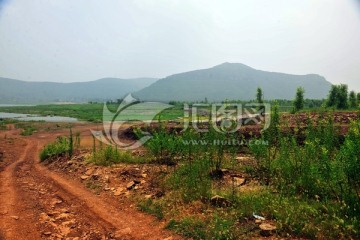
x: 36, y: 203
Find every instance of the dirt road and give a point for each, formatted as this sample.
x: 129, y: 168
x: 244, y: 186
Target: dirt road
x: 36, y: 203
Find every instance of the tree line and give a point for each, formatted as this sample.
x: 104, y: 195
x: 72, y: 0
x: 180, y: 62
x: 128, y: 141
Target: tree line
x: 338, y: 98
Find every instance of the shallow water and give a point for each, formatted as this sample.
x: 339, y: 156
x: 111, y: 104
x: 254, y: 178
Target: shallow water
x: 31, y: 117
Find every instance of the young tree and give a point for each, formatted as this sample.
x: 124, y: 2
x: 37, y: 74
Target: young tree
x: 259, y: 95
x: 342, y: 97
x: 352, y: 99
x: 333, y: 96
x: 299, y: 99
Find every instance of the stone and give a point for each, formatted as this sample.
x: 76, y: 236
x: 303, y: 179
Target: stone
x: 219, y: 201
x: 15, y: 217
x: 130, y: 185
x: 119, y: 191
x: 267, y: 229
x: 107, y: 179
x: 123, y: 232
x: 84, y: 177
x: 239, y: 181
x: 89, y: 171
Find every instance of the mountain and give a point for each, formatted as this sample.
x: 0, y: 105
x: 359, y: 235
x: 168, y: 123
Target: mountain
x: 233, y: 81
x: 20, y: 92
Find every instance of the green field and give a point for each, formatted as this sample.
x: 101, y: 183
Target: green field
x: 94, y: 112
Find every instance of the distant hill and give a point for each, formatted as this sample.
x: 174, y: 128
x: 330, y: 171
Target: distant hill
x: 20, y: 92
x: 233, y: 81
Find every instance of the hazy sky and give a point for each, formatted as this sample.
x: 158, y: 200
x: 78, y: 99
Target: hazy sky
x: 81, y: 40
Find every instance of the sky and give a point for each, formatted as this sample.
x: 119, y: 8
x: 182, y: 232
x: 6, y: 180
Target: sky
x: 83, y: 40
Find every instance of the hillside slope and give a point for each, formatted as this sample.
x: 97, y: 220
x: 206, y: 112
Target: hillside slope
x: 16, y: 91
x: 233, y: 81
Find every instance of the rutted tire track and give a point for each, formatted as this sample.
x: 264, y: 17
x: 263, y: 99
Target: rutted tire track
x: 11, y: 206
x: 51, y: 206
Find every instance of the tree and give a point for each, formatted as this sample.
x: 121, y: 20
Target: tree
x: 333, y: 96
x: 342, y: 97
x: 259, y: 95
x: 338, y: 96
x: 299, y: 99
x: 352, y: 99
x: 358, y: 98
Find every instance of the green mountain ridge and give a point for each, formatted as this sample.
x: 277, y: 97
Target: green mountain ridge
x: 19, y: 92
x: 233, y: 81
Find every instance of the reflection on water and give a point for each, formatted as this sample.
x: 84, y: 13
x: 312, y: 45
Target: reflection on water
x: 30, y: 117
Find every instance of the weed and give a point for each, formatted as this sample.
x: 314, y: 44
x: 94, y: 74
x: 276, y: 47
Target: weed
x: 109, y: 155
x: 58, y: 148
x: 151, y: 207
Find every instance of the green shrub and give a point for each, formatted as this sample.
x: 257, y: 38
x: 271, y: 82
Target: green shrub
x: 151, y: 207
x: 192, y: 179
x: 189, y: 227
x: 109, y: 155
x: 59, y: 147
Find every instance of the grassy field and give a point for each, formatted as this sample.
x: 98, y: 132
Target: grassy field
x: 94, y: 112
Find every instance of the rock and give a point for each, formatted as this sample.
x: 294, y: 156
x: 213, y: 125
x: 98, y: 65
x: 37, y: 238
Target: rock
x: 121, y: 233
x: 216, y: 174
x: 106, y: 188
x: 15, y: 217
x: 56, y: 201
x: 84, y: 177
x: 65, y: 210
x: 44, y: 217
x: 258, y: 221
x: 142, y: 181
x: 144, y: 175
x: 107, y: 179
x: 239, y: 181
x: 95, y: 176
x: 130, y: 185
x: 159, y: 194
x: 147, y: 196
x: 47, y: 233
x: 267, y: 229
x: 168, y: 238
x: 89, y: 171
x: 219, y: 201
x: 62, y: 216
x: 119, y: 191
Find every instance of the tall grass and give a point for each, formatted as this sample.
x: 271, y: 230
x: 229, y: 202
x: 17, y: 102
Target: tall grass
x: 109, y: 155
x: 58, y: 148
x: 309, y: 176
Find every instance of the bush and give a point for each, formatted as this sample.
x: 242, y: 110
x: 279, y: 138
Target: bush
x: 111, y: 155
x: 58, y: 148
